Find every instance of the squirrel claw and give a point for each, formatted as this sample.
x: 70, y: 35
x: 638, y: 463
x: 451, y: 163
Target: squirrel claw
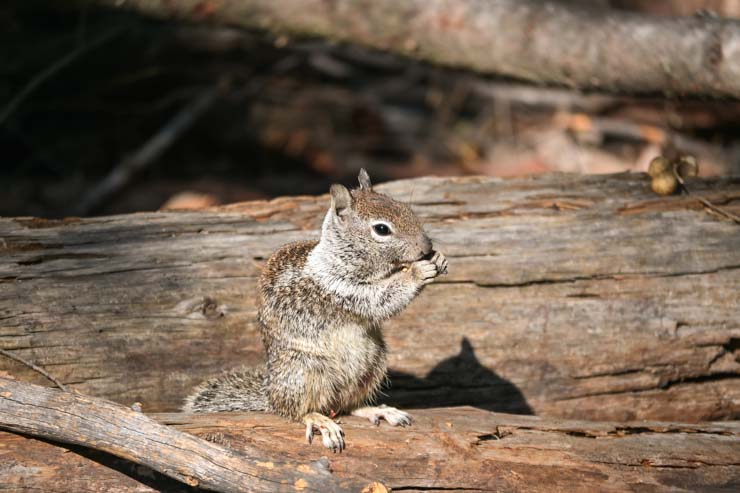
x: 309, y: 434
x: 332, y: 435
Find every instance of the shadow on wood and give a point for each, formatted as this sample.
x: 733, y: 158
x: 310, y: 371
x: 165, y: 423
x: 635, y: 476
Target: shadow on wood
x: 95, y: 460
x: 456, y: 381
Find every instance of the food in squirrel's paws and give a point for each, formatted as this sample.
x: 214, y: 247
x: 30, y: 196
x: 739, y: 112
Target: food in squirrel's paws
x: 430, y: 256
x: 405, y: 266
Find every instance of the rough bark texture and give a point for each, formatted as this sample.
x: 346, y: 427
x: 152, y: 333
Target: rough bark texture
x: 463, y: 449
x: 71, y: 418
x: 569, y: 296
x: 537, y: 41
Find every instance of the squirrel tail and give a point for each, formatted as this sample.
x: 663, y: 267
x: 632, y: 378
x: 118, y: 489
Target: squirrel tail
x: 239, y: 389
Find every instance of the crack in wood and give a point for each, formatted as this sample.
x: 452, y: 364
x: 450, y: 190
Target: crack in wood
x: 617, y: 431
x: 661, y: 385
x: 714, y: 377
x: 62, y: 256
x: 601, y: 277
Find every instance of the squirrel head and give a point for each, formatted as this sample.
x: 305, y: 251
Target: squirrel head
x: 371, y: 231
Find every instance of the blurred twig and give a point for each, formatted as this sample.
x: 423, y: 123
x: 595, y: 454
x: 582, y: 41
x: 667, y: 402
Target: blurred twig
x: 714, y: 208
x: 33, y: 367
x: 45, y: 74
x: 122, y: 173
x: 707, y: 204
x: 548, y: 97
x: 624, y: 128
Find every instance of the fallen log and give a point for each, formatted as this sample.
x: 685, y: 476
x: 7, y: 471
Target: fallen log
x: 585, y: 297
x: 71, y: 418
x: 449, y: 448
x: 541, y: 42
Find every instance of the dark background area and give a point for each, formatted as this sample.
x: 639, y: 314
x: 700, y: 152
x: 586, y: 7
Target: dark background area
x: 290, y: 117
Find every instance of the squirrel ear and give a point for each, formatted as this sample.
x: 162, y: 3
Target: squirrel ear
x: 341, y: 199
x: 364, y: 180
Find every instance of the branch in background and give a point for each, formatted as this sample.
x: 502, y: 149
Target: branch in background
x: 72, y: 418
x: 541, y: 96
x: 625, y: 128
x: 127, y: 168
x: 542, y: 42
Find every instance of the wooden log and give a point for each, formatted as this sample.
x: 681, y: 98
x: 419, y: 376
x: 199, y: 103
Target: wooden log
x: 461, y: 449
x: 72, y: 418
x: 585, y: 297
x: 550, y: 42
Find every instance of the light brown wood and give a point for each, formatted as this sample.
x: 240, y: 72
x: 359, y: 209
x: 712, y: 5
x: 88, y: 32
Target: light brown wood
x: 104, y: 426
x: 570, y: 296
x: 463, y: 449
x: 549, y: 42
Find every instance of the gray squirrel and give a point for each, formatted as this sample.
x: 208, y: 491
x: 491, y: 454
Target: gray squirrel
x: 320, y: 313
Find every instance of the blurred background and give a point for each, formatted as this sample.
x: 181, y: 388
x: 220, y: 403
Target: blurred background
x: 107, y: 112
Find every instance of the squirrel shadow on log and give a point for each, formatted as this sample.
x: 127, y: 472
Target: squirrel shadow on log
x: 456, y: 381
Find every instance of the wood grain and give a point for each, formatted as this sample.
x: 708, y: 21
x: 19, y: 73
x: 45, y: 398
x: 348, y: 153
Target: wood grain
x: 567, y: 296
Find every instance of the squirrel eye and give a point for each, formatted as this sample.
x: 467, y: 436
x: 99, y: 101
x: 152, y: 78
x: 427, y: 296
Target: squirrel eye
x: 382, y: 229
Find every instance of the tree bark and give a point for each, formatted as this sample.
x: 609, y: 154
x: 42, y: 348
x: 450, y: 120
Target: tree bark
x: 102, y: 425
x: 585, y: 297
x: 542, y: 42
x: 455, y: 448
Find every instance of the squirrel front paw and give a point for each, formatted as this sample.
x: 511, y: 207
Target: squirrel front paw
x: 425, y: 271
x: 440, y: 261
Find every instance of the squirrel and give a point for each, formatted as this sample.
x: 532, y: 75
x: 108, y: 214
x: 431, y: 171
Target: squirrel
x: 321, y: 307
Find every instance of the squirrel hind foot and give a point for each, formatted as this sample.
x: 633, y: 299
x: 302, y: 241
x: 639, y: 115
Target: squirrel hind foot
x: 332, y: 435
x: 394, y: 417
